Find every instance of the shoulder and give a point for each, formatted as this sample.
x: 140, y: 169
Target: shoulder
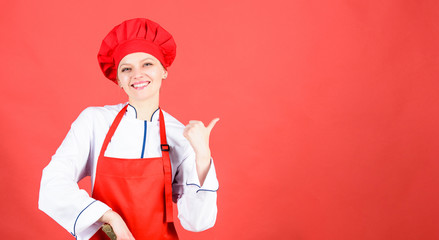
x: 102, y: 111
x: 172, y: 122
x: 99, y: 114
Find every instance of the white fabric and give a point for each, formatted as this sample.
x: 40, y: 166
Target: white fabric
x: 76, y: 158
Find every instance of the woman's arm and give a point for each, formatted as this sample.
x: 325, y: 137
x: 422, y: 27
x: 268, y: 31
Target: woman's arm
x: 195, y: 182
x: 198, y: 136
x: 60, y: 196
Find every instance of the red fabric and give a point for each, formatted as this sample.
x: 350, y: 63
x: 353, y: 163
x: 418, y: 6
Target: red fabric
x: 166, y: 168
x: 135, y: 35
x: 135, y: 189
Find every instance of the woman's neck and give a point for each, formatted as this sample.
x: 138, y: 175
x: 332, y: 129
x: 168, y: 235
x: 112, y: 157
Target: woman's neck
x: 145, y: 109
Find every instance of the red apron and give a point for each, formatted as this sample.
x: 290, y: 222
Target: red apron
x: 139, y: 190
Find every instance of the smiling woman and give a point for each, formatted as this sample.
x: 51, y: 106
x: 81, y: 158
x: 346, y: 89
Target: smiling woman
x: 140, y: 76
x: 152, y: 158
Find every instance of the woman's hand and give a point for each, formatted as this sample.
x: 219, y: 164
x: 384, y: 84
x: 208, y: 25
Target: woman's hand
x: 119, y: 226
x: 198, y: 136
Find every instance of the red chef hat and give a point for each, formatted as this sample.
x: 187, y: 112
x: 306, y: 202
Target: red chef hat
x: 135, y: 35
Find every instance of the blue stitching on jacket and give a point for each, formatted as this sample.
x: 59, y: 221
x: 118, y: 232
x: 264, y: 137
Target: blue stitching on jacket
x: 153, y: 114
x: 134, y: 109
x: 193, y: 184
x: 74, y: 225
x: 144, y: 139
x: 207, y: 190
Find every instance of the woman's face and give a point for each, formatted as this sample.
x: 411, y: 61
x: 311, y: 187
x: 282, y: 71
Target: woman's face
x: 140, y: 75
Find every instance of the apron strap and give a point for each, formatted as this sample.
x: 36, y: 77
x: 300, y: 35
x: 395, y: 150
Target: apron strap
x: 112, y: 130
x: 166, y: 169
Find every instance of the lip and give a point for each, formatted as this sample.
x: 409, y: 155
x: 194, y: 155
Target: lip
x: 140, y: 85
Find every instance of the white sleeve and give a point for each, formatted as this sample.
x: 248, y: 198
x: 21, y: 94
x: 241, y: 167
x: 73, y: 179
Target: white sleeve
x: 60, y: 196
x: 196, y: 204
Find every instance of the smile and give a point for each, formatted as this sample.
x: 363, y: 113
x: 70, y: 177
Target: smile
x: 140, y: 85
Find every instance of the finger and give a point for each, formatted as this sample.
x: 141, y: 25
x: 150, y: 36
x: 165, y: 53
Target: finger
x: 190, y: 125
x: 212, y: 124
x: 185, y: 134
x: 194, y: 121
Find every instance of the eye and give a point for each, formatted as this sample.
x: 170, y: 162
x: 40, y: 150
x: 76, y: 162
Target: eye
x: 147, y: 64
x: 125, y: 69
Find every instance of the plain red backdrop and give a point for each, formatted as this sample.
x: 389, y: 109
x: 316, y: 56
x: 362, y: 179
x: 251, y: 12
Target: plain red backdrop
x: 329, y: 109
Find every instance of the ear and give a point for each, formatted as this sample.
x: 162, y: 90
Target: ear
x: 165, y: 74
x: 118, y: 83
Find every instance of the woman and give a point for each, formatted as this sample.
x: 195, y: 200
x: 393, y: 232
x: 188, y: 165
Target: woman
x: 139, y: 157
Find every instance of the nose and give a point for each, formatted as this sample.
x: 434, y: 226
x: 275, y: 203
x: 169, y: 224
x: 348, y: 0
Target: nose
x: 137, y: 73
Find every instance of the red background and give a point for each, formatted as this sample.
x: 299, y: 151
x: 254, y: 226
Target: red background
x: 329, y: 109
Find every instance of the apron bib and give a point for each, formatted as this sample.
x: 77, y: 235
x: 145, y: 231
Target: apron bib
x: 139, y: 190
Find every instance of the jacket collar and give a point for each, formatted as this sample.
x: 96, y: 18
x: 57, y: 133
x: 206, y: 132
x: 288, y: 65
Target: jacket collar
x: 132, y: 113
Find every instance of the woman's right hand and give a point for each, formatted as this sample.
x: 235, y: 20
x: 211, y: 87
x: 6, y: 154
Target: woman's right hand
x: 117, y: 223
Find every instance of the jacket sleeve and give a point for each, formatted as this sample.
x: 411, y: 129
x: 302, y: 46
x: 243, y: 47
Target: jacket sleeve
x: 60, y: 196
x: 196, y: 204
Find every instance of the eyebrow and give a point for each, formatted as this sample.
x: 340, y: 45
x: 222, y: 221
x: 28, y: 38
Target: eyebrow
x: 148, y: 58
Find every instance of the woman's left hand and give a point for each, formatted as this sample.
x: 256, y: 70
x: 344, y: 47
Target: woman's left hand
x: 198, y: 136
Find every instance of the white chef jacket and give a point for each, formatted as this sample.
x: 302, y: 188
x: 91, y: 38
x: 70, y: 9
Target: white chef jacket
x: 77, y: 157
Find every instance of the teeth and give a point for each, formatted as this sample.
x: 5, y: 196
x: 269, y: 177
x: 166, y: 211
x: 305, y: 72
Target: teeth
x: 140, y: 85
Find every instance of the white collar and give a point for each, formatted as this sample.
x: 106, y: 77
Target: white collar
x: 132, y: 112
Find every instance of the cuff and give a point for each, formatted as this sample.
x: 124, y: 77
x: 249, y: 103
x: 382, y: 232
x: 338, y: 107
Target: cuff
x: 87, y: 224
x: 210, y: 183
